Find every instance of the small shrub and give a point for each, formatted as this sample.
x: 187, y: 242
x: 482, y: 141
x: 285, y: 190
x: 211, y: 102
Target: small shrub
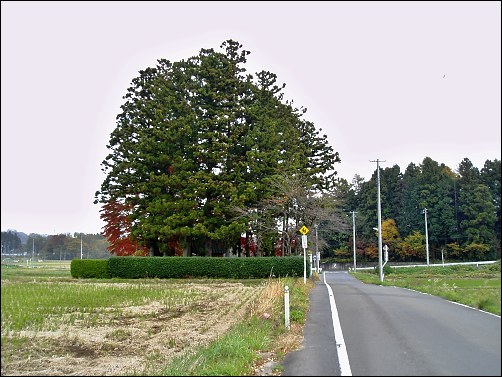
x: 387, y: 270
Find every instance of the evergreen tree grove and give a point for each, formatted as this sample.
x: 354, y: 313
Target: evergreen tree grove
x: 195, y: 140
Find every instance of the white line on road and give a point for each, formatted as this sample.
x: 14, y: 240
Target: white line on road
x: 343, y: 358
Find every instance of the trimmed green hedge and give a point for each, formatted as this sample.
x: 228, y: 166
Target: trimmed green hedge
x: 189, y: 267
x: 89, y: 268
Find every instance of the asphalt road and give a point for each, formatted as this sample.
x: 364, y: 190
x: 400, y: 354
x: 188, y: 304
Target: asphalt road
x: 370, y: 330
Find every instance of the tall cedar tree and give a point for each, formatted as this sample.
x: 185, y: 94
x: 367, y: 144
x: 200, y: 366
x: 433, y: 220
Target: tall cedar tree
x: 197, y: 138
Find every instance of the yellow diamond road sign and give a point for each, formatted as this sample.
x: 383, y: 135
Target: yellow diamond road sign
x: 304, y: 230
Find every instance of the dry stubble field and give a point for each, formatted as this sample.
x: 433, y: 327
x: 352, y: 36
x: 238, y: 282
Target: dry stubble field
x: 126, y: 338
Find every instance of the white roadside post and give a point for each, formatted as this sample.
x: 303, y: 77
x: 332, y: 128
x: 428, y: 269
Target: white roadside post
x: 286, y: 307
x: 386, y: 257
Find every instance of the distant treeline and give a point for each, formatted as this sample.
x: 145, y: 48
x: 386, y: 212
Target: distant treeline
x: 462, y: 209
x: 55, y: 247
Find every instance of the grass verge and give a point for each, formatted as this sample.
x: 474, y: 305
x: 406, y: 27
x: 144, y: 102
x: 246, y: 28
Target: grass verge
x: 261, y: 338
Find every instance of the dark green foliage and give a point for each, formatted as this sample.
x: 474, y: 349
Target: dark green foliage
x: 89, y: 268
x: 491, y: 177
x: 198, y: 138
x: 463, y: 211
x: 435, y: 192
x: 190, y: 267
x: 408, y: 219
x: 11, y: 242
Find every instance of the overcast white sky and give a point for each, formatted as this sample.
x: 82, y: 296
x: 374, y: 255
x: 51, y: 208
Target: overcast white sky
x: 394, y: 81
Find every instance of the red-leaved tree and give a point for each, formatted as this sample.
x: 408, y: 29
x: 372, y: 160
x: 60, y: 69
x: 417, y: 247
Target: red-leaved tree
x: 118, y: 230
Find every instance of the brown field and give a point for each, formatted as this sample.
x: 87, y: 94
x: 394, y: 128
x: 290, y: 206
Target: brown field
x: 142, y: 339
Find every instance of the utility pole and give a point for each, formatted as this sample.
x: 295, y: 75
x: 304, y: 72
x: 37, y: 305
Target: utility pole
x: 80, y: 245
x: 354, y: 236
x: 426, y: 236
x: 379, y: 222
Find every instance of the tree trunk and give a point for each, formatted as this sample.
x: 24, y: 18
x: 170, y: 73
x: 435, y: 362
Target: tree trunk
x: 248, y: 233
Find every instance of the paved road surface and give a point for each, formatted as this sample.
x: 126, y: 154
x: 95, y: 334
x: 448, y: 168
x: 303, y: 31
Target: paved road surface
x: 392, y: 331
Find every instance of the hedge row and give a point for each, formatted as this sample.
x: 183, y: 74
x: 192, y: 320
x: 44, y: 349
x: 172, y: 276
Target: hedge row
x: 188, y: 267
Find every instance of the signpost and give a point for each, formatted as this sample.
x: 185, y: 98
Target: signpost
x: 386, y: 253
x: 386, y: 256
x: 304, y: 230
